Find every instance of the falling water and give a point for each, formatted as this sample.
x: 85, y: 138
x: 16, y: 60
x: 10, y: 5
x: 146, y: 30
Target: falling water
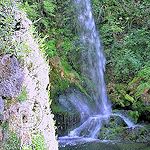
x: 93, y: 66
x: 93, y: 60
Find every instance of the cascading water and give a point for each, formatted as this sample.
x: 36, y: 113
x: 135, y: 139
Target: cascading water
x: 93, y: 66
x: 93, y: 60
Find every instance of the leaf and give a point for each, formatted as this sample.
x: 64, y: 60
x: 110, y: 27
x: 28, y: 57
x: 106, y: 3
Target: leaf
x: 129, y: 98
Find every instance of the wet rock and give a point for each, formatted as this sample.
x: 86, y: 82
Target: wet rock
x: 11, y: 76
x: 75, y: 108
x: 75, y: 101
x: 66, y: 121
x: 121, y: 133
x: 65, y: 103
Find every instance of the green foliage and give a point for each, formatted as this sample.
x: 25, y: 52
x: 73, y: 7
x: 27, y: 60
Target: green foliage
x: 30, y: 9
x: 129, y: 98
x: 6, y: 27
x: 144, y: 73
x: 49, y: 7
x: 23, y: 95
x: 140, y: 83
x: 133, y: 96
x: 5, y: 126
x: 117, y: 94
x: 132, y: 54
x: 134, y: 114
x: 50, y: 47
x: 13, y: 142
x: 42, y: 14
x: 125, y: 32
x: 27, y: 148
x: 38, y: 142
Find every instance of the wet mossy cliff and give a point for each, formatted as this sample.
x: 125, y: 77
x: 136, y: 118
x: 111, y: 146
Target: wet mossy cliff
x: 26, y: 120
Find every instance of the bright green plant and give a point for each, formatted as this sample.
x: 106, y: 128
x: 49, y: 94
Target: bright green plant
x: 27, y: 148
x: 38, y: 142
x: 5, y: 126
x: 141, y: 82
x: 134, y: 115
x: 6, y: 27
x: 23, y: 95
x: 13, y: 142
x: 50, y: 47
x: 30, y: 10
x: 124, y: 27
x: 49, y: 7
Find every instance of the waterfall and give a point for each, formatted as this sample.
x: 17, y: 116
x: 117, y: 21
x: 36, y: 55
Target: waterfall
x: 93, y: 66
x: 93, y: 59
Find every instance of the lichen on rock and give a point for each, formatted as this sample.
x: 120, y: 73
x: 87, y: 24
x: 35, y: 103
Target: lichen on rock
x: 32, y: 115
x: 11, y: 76
x: 34, y: 112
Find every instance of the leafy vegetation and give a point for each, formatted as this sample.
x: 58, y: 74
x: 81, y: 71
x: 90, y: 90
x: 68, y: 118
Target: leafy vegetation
x: 38, y: 142
x: 6, y: 26
x: 23, y: 95
x: 124, y: 27
x: 12, y: 142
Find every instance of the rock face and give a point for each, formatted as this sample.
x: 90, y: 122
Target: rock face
x: 35, y: 113
x: 11, y: 76
x: 73, y: 100
x: 11, y: 79
x: 32, y: 115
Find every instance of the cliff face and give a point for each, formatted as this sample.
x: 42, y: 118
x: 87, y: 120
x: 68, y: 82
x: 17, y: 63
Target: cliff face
x: 32, y: 116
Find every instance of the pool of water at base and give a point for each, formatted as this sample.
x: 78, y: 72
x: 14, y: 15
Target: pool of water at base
x: 97, y: 145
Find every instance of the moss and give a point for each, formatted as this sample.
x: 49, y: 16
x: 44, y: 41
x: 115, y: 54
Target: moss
x: 57, y: 108
x: 115, y: 131
x: 63, y: 77
x: 13, y: 142
x: 38, y: 142
x: 5, y: 126
x: 134, y: 114
x: 23, y: 95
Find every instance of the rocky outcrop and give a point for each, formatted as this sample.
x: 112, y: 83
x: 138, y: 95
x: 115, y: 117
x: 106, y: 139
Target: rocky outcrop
x: 36, y: 109
x: 75, y: 109
x: 11, y: 76
x: 75, y: 101
x: 33, y: 115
